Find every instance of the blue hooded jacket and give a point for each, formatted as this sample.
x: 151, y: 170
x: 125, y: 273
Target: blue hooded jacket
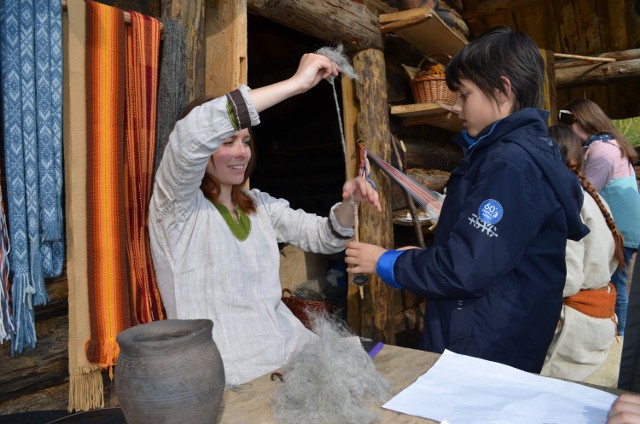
x: 494, y: 276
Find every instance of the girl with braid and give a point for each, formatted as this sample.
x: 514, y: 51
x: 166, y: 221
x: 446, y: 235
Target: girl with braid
x: 587, y: 325
x: 608, y: 165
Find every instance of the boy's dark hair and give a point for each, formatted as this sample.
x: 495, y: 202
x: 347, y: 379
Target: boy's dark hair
x: 501, y: 52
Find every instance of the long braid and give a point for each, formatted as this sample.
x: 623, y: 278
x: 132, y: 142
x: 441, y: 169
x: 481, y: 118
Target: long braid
x: 571, y: 148
x: 617, y: 237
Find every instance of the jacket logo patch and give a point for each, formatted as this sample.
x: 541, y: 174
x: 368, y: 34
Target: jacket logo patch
x: 490, y: 211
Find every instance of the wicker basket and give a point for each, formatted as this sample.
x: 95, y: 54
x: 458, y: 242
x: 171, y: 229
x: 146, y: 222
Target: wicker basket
x: 429, y: 85
x: 301, y: 307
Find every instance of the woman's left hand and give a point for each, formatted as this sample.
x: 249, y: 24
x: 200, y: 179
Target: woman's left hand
x: 359, y: 190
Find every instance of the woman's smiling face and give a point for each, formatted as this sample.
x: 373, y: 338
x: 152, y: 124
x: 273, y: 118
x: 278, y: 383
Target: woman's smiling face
x: 228, y: 163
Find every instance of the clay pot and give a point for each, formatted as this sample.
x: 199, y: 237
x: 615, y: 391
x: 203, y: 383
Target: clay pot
x: 169, y: 372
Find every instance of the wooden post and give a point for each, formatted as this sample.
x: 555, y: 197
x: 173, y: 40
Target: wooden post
x: 190, y: 13
x: 349, y: 118
x: 226, y: 46
x: 550, y: 97
x: 376, y: 312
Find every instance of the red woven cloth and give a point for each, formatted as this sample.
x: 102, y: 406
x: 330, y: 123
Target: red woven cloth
x: 143, y: 46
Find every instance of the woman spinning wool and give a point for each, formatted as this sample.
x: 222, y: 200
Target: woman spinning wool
x: 214, y: 244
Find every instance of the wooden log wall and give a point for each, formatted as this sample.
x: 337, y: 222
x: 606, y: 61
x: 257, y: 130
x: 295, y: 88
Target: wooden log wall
x: 581, y: 27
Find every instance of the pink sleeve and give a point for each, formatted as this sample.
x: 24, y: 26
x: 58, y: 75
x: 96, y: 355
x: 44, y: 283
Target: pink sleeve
x: 600, y: 160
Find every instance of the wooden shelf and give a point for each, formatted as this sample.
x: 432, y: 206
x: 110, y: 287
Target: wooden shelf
x: 435, y: 114
x: 424, y: 29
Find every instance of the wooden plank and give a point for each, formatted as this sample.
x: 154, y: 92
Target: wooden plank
x: 434, y: 114
x: 424, y: 29
x: 42, y: 367
x: 404, y: 15
x: 190, y: 13
x: 339, y: 21
x: 226, y: 46
x: 494, y: 7
x: 533, y: 19
x: 588, y: 26
x: 616, y: 31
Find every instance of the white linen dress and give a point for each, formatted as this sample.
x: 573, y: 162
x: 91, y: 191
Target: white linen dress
x: 581, y: 342
x: 204, y: 271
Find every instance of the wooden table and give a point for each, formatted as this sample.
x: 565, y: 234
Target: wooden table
x: 252, y: 402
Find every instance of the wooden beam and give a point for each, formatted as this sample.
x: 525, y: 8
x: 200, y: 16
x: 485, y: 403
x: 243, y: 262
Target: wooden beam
x: 190, y: 13
x: 338, y: 21
x: 226, y: 46
x: 598, y: 74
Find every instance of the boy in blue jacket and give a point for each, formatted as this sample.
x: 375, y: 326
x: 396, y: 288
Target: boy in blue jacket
x: 494, y: 276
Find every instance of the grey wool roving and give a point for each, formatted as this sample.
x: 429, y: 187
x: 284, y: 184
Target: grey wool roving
x: 337, y: 55
x: 332, y: 380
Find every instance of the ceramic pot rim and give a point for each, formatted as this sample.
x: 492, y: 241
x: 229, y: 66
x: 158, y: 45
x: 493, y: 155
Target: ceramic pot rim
x: 158, y: 336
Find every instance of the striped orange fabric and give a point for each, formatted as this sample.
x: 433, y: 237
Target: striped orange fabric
x: 143, y: 47
x: 106, y: 228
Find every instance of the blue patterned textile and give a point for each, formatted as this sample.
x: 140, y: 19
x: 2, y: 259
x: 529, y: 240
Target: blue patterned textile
x: 32, y: 119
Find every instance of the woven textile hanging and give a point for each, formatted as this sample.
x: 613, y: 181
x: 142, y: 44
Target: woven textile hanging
x: 48, y: 53
x: 32, y: 102
x: 430, y: 200
x: 86, y: 389
x: 106, y: 225
x: 6, y: 323
x: 143, y: 45
x: 172, y: 91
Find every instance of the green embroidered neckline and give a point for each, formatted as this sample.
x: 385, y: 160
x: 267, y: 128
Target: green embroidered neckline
x: 240, y: 228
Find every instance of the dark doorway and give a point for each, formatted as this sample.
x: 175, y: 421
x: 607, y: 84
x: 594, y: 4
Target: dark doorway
x: 299, y: 151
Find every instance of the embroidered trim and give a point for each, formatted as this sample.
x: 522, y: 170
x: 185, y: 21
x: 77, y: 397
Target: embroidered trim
x: 335, y: 233
x: 240, y: 228
x: 238, y: 111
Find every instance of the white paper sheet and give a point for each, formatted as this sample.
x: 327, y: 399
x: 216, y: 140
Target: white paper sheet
x: 461, y: 389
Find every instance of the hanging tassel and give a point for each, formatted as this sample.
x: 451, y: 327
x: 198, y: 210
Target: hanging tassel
x: 23, y: 314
